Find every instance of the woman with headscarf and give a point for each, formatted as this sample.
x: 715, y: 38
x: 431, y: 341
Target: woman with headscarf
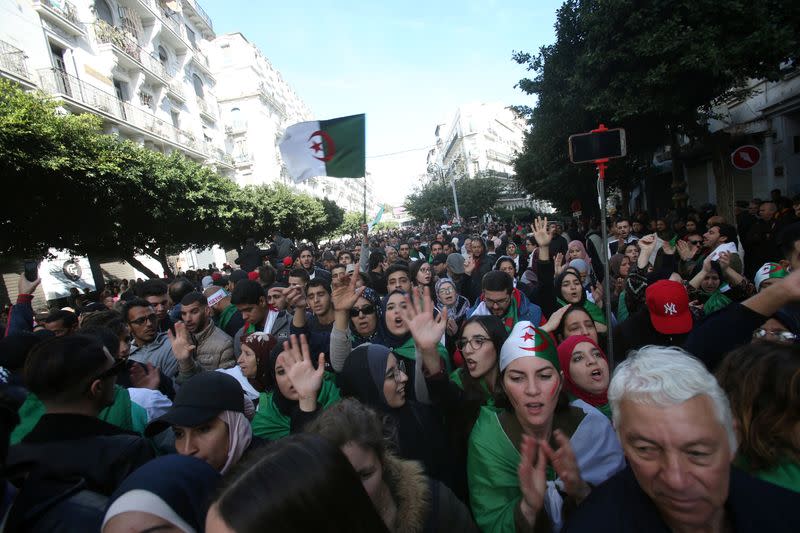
x: 586, y: 373
x: 302, y: 389
x: 209, y: 420
x: 512, y: 253
x: 376, y: 376
x: 556, y: 292
x: 576, y: 250
x: 252, y: 368
x: 535, y: 440
x: 357, y: 312
x: 394, y: 333
x: 457, y: 306
x: 171, y: 492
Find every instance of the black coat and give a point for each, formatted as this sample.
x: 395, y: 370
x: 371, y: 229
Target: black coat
x: 68, y: 454
x: 620, y: 506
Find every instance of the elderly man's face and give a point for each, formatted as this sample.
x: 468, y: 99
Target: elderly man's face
x: 681, y: 458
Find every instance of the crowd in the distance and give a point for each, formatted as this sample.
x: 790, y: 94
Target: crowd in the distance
x: 423, y: 379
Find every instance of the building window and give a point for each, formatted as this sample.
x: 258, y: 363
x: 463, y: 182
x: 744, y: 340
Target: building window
x: 198, y: 85
x: 191, y: 36
x: 162, y: 55
x: 103, y: 11
x: 175, y: 119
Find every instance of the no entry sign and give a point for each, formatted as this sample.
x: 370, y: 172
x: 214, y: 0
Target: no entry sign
x: 745, y: 157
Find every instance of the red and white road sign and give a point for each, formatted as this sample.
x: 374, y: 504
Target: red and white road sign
x: 745, y: 157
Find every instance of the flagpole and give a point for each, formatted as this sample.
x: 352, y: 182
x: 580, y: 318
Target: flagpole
x: 365, y: 199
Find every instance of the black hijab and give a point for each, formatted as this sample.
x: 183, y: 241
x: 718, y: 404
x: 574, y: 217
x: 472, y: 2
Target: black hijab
x: 386, y: 337
x: 417, y: 431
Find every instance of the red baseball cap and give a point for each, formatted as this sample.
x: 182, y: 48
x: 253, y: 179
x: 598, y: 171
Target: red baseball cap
x: 668, y: 303
x: 287, y: 261
x: 216, y: 276
x: 253, y: 276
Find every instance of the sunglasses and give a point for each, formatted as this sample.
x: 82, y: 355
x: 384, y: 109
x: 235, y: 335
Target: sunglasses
x: 141, y: 320
x: 696, y: 243
x: 366, y: 310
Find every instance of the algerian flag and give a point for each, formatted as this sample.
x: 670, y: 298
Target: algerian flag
x: 376, y: 220
x: 333, y: 147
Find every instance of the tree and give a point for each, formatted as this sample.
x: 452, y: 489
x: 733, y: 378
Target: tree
x: 475, y: 196
x: 655, y: 68
x: 92, y: 194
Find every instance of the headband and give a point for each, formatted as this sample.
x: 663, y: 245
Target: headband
x: 217, y: 297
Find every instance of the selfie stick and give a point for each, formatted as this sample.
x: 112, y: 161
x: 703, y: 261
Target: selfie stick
x: 602, y: 164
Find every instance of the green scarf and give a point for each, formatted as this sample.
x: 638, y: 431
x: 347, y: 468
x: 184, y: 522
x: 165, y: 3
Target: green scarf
x: 715, y: 302
x: 622, y: 308
x: 512, y: 315
x: 456, y: 378
x: 119, y: 414
x: 785, y: 474
x: 595, y: 312
x: 269, y: 423
x: 226, y: 316
x: 408, y: 350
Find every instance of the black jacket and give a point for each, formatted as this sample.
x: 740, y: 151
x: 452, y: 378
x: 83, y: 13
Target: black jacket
x: 68, y: 453
x: 620, y: 505
x: 251, y: 257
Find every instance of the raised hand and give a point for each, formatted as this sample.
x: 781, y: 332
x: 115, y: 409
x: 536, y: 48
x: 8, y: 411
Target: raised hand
x: 296, y: 297
x: 426, y: 329
x: 306, y: 379
x: 558, y: 263
x: 685, y: 250
x: 542, y: 232
x: 555, y: 319
x: 646, y: 245
x: 145, y: 378
x: 469, y: 265
x: 724, y: 260
x: 181, y: 342
x: 566, y: 466
x: 27, y: 287
x: 344, y: 293
x: 597, y: 295
x: 532, y: 477
x: 707, y: 264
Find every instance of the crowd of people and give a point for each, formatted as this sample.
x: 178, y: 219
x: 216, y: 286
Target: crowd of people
x: 423, y: 379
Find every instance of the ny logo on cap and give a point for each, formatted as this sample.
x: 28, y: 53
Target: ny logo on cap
x: 670, y: 309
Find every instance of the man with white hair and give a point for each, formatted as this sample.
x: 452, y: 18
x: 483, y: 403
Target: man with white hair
x: 676, y: 428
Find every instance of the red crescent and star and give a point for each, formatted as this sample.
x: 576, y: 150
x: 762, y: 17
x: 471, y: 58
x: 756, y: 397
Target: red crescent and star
x: 543, y: 345
x: 317, y: 146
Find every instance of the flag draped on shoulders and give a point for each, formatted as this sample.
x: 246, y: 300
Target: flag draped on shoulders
x: 333, y: 148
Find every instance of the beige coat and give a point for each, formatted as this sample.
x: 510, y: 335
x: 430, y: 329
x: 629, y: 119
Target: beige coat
x: 214, y: 348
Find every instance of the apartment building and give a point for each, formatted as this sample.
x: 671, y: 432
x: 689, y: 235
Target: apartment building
x: 141, y: 65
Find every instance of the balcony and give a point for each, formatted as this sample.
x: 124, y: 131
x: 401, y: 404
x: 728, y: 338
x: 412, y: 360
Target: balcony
x: 14, y: 62
x: 62, y: 14
x: 172, y: 26
x: 217, y: 154
x: 238, y: 127
x: 206, y: 110
x: 130, y: 54
x: 268, y: 97
x: 87, y: 97
x: 200, y: 59
x: 175, y: 89
x: 198, y: 15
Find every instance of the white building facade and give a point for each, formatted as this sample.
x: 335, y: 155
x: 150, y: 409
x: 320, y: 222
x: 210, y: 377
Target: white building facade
x: 482, y: 139
x: 256, y: 106
x: 141, y: 65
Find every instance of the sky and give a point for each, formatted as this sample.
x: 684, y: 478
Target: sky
x: 408, y: 67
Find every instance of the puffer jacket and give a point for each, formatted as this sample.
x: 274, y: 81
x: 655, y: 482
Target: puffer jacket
x: 423, y: 504
x: 214, y: 348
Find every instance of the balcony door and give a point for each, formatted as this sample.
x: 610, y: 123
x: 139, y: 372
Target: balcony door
x: 60, y: 64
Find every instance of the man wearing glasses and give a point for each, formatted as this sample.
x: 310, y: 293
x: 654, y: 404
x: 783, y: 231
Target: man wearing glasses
x: 501, y: 299
x: 690, y: 249
x: 148, y: 344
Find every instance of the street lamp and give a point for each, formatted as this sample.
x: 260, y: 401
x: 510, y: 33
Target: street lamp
x: 436, y: 169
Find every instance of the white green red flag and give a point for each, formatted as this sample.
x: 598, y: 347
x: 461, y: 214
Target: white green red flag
x: 335, y: 148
